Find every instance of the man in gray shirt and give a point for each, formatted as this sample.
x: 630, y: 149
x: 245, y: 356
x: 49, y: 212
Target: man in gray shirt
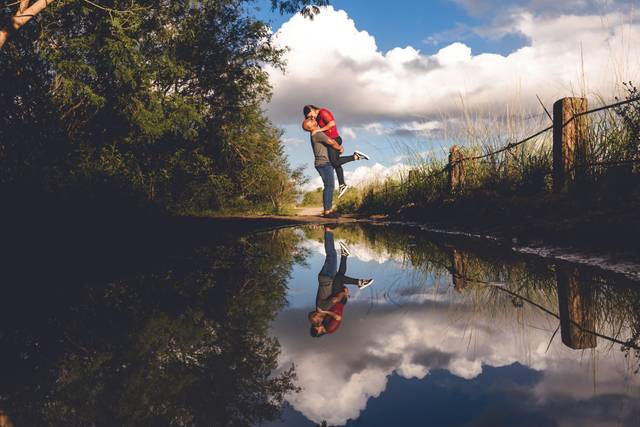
x: 321, y: 144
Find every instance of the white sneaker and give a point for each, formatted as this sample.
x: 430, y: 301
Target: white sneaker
x: 364, y: 283
x: 344, y: 249
x: 359, y: 155
x: 342, y: 189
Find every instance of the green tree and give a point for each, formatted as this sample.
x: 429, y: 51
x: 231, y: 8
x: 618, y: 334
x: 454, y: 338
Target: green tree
x: 185, y: 344
x: 161, y: 98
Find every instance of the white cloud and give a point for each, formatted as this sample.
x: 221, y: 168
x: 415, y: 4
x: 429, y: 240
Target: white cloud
x: 340, y: 373
x: 369, y: 87
x: 358, y: 251
x: 375, y: 173
x: 348, y: 132
x: 363, y: 175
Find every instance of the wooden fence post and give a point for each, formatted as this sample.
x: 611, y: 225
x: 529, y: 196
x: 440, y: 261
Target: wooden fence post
x: 459, y: 270
x: 576, y: 311
x: 456, y: 170
x: 569, y: 141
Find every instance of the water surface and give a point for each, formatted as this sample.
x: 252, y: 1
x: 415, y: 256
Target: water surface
x: 450, y: 333
x: 453, y: 333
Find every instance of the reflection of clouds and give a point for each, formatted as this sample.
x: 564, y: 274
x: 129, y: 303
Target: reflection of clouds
x: 341, y: 372
x: 359, y: 251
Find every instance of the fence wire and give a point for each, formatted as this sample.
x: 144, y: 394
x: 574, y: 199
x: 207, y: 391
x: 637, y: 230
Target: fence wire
x: 512, y: 145
x: 547, y: 129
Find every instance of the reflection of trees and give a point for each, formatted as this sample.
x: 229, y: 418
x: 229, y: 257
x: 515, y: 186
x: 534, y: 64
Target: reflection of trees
x: 186, y: 344
x: 588, y: 302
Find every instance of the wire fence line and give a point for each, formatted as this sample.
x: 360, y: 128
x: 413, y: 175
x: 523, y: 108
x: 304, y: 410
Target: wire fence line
x: 537, y: 134
x: 512, y: 145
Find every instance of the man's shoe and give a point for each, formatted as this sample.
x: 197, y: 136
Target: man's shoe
x: 331, y: 214
x: 364, y: 283
x: 344, y: 250
x: 342, y: 189
x: 359, y: 155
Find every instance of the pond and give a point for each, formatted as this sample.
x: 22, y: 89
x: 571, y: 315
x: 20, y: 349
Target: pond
x: 360, y: 324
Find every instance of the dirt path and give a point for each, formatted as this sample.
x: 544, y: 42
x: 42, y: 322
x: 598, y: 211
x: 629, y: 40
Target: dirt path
x: 309, y: 211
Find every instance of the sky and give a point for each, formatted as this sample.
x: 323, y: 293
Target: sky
x: 401, y: 76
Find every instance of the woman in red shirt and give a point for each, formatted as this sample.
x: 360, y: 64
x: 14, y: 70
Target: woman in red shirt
x: 332, y: 291
x: 327, y: 124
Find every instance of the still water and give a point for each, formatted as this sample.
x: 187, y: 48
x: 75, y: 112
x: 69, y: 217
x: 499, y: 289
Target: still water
x: 285, y: 328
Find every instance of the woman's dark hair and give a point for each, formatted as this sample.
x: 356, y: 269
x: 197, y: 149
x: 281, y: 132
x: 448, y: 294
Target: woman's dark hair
x: 307, y: 109
x: 314, y: 333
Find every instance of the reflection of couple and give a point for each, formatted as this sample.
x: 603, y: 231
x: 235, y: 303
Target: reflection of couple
x: 327, y: 148
x: 332, y: 291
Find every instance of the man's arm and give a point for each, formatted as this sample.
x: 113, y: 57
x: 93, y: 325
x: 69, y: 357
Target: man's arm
x: 333, y: 144
x: 335, y: 316
x: 340, y: 295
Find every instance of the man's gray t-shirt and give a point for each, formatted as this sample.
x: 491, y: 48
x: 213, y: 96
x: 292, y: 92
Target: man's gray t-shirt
x: 320, y: 145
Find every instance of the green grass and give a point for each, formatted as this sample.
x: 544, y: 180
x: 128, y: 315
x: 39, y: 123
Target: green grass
x: 524, y: 171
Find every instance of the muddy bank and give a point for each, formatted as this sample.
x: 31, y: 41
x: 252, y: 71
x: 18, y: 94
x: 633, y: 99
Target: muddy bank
x: 602, y: 225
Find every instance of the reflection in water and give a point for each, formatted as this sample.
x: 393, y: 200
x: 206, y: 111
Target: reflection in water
x: 455, y: 333
x: 184, y: 344
x: 577, y: 321
x: 452, y: 333
x: 333, y: 293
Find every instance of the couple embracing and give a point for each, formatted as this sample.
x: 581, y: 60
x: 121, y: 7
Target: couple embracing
x: 327, y: 149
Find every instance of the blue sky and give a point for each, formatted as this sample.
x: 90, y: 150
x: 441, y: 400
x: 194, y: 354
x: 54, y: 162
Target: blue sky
x: 411, y: 23
x: 400, y: 75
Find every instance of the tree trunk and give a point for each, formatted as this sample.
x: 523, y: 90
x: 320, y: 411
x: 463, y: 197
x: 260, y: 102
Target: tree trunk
x: 22, y: 16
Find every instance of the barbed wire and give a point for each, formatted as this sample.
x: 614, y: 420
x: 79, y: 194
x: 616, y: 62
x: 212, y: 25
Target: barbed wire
x: 510, y: 146
x: 547, y: 129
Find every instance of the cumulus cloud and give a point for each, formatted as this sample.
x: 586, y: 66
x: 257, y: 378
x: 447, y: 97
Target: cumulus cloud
x: 340, y: 373
x: 363, y: 175
x: 362, y: 85
x: 358, y: 251
x: 498, y: 7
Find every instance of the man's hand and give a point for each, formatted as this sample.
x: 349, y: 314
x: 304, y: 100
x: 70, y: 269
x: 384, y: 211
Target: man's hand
x: 334, y: 144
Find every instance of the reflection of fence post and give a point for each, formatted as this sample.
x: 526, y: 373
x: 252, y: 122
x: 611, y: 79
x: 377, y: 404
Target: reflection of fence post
x: 456, y: 170
x: 569, y: 141
x: 576, y: 314
x: 459, y: 271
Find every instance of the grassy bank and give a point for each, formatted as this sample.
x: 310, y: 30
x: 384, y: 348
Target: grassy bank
x: 511, y: 192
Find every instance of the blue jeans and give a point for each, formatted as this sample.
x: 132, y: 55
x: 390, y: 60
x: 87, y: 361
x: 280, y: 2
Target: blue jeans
x: 326, y: 173
x: 330, y: 267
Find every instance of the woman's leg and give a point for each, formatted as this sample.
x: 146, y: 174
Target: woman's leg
x: 326, y: 173
x: 337, y: 161
x: 331, y: 260
x: 343, y: 265
x: 334, y: 158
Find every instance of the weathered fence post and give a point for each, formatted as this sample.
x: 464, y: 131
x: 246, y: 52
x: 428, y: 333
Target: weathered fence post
x: 456, y: 170
x: 576, y: 314
x: 569, y: 141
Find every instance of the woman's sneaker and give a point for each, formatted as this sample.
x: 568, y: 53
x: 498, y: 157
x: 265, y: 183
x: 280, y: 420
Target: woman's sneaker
x: 344, y: 249
x: 364, y: 283
x: 342, y: 189
x: 359, y: 155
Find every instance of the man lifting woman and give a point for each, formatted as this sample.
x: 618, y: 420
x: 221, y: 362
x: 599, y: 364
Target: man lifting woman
x: 327, y: 148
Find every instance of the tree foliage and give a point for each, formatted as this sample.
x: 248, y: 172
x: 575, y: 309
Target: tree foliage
x: 180, y: 345
x: 159, y: 98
